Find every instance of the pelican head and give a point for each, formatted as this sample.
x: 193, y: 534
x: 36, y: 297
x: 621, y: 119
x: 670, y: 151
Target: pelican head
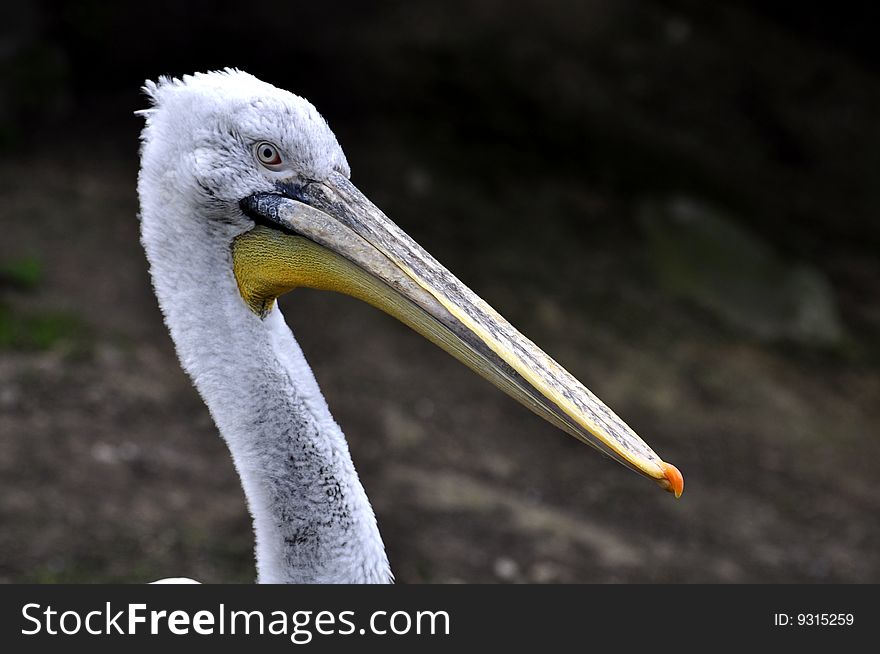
x: 245, y: 195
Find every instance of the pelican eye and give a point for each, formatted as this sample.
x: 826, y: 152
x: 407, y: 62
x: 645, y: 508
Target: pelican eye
x: 268, y: 155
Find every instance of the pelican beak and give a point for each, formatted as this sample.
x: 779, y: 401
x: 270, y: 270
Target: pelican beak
x: 328, y: 235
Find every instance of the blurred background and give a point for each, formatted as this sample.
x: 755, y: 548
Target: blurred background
x: 675, y: 199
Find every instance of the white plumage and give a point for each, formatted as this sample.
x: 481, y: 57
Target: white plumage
x: 312, y: 519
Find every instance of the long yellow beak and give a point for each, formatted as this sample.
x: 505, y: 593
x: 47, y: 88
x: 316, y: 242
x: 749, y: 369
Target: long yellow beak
x: 327, y: 235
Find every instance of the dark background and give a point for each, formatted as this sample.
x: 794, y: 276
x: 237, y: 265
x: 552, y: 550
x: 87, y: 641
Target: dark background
x: 676, y: 199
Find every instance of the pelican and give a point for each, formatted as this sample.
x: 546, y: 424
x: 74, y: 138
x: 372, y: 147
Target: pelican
x: 245, y: 195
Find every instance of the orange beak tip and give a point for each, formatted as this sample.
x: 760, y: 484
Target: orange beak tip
x: 673, y: 480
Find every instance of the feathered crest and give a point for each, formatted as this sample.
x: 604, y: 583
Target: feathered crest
x: 152, y: 89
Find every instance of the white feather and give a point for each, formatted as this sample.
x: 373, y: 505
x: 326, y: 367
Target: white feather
x: 312, y: 519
